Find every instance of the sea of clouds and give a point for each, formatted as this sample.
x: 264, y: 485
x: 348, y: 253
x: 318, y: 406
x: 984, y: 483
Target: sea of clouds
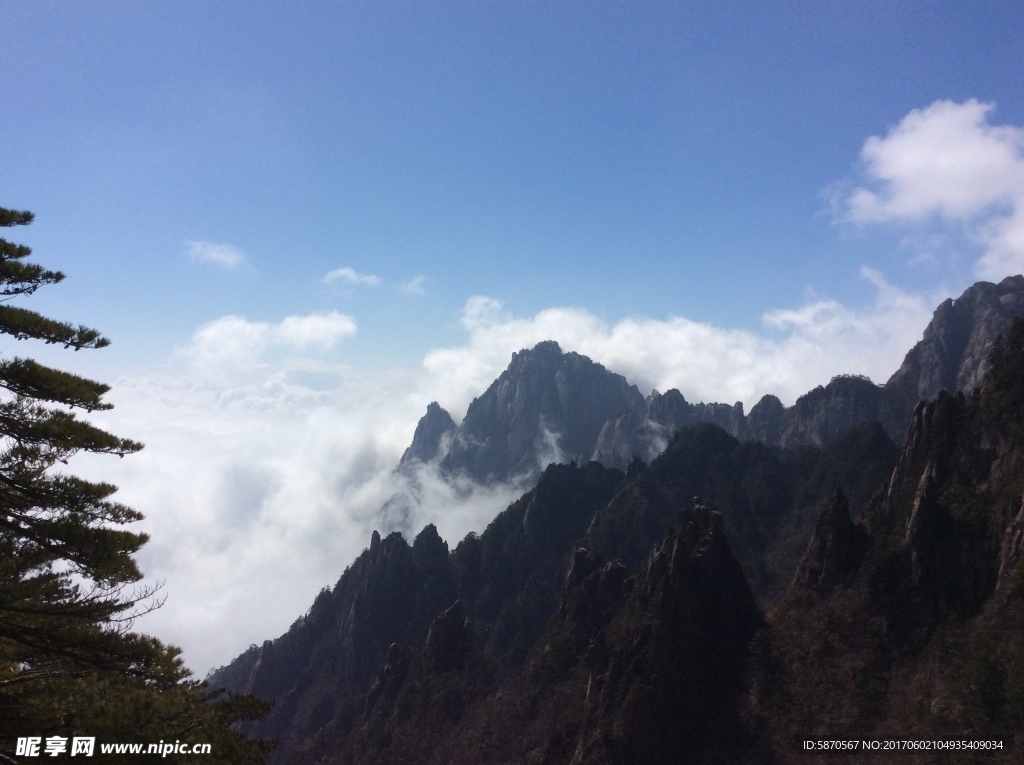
x: 268, y: 460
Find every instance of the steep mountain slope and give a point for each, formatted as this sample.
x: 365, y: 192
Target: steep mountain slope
x: 916, y: 629
x: 631, y: 668
x: 953, y: 354
x: 510, y: 579
x: 432, y: 437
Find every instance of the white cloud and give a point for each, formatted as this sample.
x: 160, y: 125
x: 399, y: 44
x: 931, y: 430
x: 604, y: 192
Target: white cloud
x: 946, y: 164
x: 321, y: 330
x: 414, y: 286
x: 800, y: 348
x: 232, y: 346
x: 223, y: 255
x: 351, y: 278
x: 266, y: 466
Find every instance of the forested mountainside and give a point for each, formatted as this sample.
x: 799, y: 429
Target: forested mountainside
x: 761, y: 594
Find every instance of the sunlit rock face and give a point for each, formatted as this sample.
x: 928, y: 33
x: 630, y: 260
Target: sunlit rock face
x: 953, y: 354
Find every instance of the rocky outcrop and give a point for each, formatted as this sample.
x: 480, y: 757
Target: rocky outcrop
x: 676, y: 661
x: 834, y: 549
x: 388, y: 595
x: 953, y: 354
x: 390, y: 676
x: 448, y: 639
x: 827, y: 412
x: 432, y: 436
x: 594, y: 591
x: 930, y: 437
x: 937, y: 505
x: 547, y: 406
x: 767, y: 419
x: 644, y: 434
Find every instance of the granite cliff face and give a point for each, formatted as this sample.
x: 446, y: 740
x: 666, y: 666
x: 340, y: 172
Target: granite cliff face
x: 433, y: 435
x: 835, y: 547
x: 952, y: 356
x: 391, y: 593
x: 547, y: 406
x: 666, y: 681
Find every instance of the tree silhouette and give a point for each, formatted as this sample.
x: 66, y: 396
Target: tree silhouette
x: 70, y: 663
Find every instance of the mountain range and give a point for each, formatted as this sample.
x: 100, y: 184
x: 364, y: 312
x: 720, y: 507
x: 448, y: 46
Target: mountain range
x: 686, y: 582
x: 553, y: 406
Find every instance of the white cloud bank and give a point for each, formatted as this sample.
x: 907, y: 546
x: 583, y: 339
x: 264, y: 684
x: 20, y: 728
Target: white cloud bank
x: 219, y: 254
x: 800, y: 348
x: 947, y: 164
x: 351, y: 278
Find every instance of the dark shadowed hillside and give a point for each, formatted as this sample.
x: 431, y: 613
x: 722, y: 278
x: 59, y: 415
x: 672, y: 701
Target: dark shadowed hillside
x: 510, y: 580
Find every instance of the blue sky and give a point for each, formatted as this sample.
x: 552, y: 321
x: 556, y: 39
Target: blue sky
x: 300, y: 223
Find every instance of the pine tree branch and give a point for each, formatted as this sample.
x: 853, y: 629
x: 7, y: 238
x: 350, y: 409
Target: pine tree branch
x: 15, y: 217
x: 23, y: 324
x: 25, y: 377
x: 30, y: 424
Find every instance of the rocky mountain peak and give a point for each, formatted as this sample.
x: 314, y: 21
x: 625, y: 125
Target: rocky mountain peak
x: 432, y: 433
x: 832, y: 552
x: 547, y: 406
x: 953, y: 353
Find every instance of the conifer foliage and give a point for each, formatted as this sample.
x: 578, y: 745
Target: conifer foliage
x: 70, y: 663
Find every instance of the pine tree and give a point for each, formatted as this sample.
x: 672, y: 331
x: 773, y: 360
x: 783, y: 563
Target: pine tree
x: 69, y: 659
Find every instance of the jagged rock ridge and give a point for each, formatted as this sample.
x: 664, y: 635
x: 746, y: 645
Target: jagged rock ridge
x: 549, y: 406
x: 432, y: 436
x: 546, y: 406
x: 510, y: 581
x: 952, y: 356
